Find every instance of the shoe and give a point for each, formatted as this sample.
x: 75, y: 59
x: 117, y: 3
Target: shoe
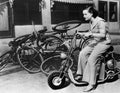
x: 78, y: 77
x: 89, y: 88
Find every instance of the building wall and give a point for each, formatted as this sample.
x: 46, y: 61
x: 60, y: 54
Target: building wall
x: 46, y: 21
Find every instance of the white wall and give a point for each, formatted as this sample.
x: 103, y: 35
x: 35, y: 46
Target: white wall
x: 19, y: 30
x: 26, y: 29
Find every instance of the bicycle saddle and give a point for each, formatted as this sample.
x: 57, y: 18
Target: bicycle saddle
x: 110, y: 49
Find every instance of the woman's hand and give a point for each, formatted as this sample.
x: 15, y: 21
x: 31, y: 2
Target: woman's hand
x: 88, y: 34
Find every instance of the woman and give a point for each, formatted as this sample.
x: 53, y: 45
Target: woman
x: 87, y: 61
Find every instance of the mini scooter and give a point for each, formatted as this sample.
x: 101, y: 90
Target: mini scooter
x: 107, y: 69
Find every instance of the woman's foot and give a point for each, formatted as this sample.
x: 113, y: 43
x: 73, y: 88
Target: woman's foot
x: 78, y: 77
x: 89, y: 88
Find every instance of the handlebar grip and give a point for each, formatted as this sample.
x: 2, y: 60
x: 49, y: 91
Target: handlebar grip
x: 43, y: 30
x: 84, y: 31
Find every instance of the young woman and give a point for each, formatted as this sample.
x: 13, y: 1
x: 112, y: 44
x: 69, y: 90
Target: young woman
x: 87, y: 61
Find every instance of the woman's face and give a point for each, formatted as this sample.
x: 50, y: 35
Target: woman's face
x: 87, y: 15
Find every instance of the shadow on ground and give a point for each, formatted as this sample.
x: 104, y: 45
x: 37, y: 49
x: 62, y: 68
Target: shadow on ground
x: 11, y: 70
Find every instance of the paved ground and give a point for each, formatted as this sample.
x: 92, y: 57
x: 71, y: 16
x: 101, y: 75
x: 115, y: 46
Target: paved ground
x: 23, y: 82
x: 15, y: 80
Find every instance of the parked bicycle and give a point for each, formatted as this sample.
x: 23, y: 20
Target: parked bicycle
x: 43, y: 43
x: 48, y: 41
x: 26, y: 51
x: 52, y: 39
x: 21, y: 52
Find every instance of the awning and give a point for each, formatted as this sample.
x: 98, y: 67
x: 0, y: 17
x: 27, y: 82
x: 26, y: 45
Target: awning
x: 75, y: 1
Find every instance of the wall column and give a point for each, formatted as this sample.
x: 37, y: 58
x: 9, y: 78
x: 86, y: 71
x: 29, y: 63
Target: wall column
x: 46, y: 14
x: 96, y: 3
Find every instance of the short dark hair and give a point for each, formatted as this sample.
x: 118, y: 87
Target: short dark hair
x: 92, y: 10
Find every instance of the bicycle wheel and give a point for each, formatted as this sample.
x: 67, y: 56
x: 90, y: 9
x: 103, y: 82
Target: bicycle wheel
x: 67, y: 25
x: 51, y: 64
x: 50, y: 43
x: 4, y: 60
x: 30, y: 59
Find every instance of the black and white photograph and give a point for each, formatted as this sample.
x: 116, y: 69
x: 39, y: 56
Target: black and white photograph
x: 59, y: 46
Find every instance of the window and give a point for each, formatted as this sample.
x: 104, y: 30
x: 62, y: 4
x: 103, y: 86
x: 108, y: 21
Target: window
x: 6, y: 25
x: 113, y: 12
x: 26, y: 11
x: 103, y: 10
x: 66, y: 11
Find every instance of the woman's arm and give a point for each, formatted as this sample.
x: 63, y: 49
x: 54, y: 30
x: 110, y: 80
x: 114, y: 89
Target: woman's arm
x: 102, y: 30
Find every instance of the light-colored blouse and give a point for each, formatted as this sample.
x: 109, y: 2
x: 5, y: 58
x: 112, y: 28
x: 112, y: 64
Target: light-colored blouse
x: 98, y: 25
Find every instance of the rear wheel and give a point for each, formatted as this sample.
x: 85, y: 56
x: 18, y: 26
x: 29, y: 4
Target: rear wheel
x: 30, y: 59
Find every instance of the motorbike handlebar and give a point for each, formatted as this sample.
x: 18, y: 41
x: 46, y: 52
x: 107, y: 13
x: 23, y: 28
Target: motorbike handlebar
x: 82, y: 35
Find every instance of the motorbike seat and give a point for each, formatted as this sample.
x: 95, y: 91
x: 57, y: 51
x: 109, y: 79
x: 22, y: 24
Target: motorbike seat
x: 110, y: 49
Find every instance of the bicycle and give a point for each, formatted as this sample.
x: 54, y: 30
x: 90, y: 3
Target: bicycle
x: 32, y: 59
x: 24, y: 50
x: 54, y: 62
x: 48, y: 41
x: 44, y: 43
x: 57, y: 36
x: 13, y: 55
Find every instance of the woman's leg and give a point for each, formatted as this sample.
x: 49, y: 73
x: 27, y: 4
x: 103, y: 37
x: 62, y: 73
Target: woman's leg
x: 82, y: 59
x: 89, y: 74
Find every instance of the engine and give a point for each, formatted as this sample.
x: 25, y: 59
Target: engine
x: 111, y: 64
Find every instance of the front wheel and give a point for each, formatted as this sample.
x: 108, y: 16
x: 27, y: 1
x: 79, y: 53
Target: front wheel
x: 56, y: 82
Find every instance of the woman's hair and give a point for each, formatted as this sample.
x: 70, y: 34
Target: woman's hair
x: 92, y: 10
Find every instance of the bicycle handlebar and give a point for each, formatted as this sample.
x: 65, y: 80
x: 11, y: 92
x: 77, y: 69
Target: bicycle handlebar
x: 83, y: 31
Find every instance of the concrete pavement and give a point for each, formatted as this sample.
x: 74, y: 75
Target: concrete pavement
x: 23, y: 82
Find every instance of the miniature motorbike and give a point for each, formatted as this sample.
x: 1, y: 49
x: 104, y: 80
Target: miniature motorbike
x: 107, y: 69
